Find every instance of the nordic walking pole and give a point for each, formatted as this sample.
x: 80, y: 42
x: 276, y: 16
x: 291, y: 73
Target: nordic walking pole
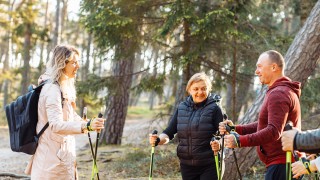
x: 85, y: 110
x: 288, y: 153
x: 288, y: 127
x: 232, y: 131
x: 89, y: 137
x: 84, y: 117
x: 152, y: 154
x: 96, y: 150
x: 225, y: 117
x: 95, y: 167
x: 216, y: 159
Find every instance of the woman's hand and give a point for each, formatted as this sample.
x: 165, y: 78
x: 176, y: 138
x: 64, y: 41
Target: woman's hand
x: 222, y: 126
x: 153, y: 138
x: 97, y: 124
x: 215, y: 146
x: 298, y: 169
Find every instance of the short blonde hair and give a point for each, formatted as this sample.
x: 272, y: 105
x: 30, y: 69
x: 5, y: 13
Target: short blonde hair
x: 199, y: 77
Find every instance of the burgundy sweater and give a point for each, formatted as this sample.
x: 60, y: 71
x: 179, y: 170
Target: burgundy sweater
x: 280, y: 105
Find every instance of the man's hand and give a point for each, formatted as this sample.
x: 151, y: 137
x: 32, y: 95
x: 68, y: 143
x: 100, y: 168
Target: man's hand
x: 222, y: 126
x: 287, y: 139
x: 232, y: 140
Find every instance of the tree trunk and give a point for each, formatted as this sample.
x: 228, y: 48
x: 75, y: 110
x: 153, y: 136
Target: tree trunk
x: 243, y: 94
x: 305, y: 8
x: 234, y: 74
x: 8, y: 54
x: 26, y: 58
x: 153, y: 94
x: 189, y: 69
x: 229, y: 98
x: 64, y: 16
x: 85, y: 70
x: 301, y: 60
x: 57, y: 25
x: 118, y: 99
x: 41, y: 62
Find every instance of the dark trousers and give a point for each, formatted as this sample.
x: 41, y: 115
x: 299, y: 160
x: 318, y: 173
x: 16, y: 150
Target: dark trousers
x: 198, y: 172
x: 276, y: 172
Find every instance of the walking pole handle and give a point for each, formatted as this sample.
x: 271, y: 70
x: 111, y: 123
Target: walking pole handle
x: 99, y: 116
x: 225, y: 116
x: 84, y: 114
x: 288, y: 126
x: 214, y: 152
x: 228, y: 128
x: 154, y: 132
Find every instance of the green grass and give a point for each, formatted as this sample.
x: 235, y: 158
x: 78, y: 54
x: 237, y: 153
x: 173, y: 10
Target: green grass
x: 131, y: 162
x: 141, y: 112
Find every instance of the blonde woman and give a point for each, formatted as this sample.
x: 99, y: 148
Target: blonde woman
x: 194, y: 122
x: 55, y: 157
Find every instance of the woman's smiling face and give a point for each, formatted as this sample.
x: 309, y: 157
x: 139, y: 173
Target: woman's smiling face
x: 72, y: 66
x: 198, y: 91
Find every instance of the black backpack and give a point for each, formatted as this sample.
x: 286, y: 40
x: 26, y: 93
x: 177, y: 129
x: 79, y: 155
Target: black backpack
x: 22, y: 116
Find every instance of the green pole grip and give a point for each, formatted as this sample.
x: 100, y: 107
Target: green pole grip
x: 288, y: 165
x: 217, y: 165
x: 151, y: 163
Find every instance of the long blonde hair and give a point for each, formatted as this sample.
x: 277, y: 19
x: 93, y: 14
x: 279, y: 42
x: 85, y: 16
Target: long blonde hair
x: 61, y: 55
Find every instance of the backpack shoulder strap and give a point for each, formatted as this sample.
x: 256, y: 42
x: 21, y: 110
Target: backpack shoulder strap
x: 47, y: 124
x: 43, y: 129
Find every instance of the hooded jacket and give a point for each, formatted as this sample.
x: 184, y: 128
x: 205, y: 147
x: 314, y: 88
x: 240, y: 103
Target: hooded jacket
x: 195, y: 124
x: 281, y: 104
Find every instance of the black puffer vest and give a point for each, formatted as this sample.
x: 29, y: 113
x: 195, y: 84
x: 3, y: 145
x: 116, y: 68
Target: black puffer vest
x: 196, y: 123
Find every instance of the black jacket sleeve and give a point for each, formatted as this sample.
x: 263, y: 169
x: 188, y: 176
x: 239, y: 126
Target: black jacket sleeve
x: 171, y: 130
x: 308, y: 141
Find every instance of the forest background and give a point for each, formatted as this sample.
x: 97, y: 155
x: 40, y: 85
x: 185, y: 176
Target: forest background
x: 137, y: 56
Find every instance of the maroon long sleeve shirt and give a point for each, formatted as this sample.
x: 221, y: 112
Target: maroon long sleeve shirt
x: 280, y: 105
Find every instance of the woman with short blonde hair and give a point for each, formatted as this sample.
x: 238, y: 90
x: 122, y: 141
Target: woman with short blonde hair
x: 194, y: 122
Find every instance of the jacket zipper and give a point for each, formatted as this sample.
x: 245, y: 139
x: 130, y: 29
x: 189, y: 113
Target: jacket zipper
x: 190, y: 137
